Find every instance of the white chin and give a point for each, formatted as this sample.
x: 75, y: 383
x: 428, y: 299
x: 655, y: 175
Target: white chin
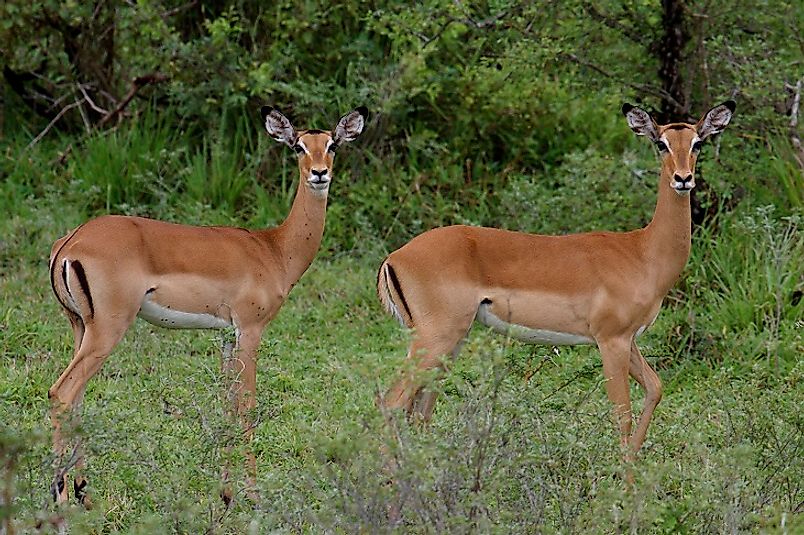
x: 318, y: 186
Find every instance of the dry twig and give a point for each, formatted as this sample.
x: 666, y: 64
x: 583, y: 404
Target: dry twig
x: 138, y: 83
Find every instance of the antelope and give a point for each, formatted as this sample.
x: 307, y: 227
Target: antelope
x: 114, y: 268
x: 603, y: 288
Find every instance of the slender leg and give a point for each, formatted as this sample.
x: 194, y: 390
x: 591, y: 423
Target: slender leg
x: 97, y: 341
x: 424, y: 401
x: 240, y: 369
x: 230, y: 370
x: 652, y: 385
x: 79, y: 481
x: 616, y: 354
x: 424, y: 405
x: 427, y: 352
x: 77, y: 324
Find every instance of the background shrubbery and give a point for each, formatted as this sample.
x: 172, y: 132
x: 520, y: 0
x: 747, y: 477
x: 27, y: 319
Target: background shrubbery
x: 492, y: 113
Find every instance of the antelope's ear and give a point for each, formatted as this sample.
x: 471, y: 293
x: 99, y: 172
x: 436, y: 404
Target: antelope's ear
x: 716, y: 120
x: 350, y: 125
x: 641, y: 122
x: 278, y: 126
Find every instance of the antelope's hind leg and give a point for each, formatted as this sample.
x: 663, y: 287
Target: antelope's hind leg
x: 95, y: 340
x: 79, y: 481
x: 427, y: 351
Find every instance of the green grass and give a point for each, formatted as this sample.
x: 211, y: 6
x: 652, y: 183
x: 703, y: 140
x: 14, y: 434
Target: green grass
x: 724, y: 452
x: 521, y: 440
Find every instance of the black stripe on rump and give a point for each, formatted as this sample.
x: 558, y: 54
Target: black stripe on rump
x: 64, y: 275
x: 398, y: 288
x: 82, y: 280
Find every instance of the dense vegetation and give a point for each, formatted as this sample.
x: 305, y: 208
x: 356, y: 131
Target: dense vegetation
x: 494, y: 113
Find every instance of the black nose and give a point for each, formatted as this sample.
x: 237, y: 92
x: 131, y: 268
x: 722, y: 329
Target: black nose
x: 319, y: 172
x: 683, y: 180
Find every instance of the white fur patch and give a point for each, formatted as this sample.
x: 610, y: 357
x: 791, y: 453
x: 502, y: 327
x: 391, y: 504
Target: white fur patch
x: 663, y: 139
x: 392, y: 308
x: 161, y: 316
x: 640, y: 331
x: 646, y: 327
x: 526, y: 334
x: 67, y: 278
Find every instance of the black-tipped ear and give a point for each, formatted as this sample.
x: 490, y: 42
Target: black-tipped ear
x: 350, y: 125
x: 278, y: 126
x: 716, y: 120
x: 640, y: 122
x: 626, y: 108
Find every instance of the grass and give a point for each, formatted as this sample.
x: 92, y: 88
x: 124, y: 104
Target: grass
x: 724, y: 452
x: 521, y: 440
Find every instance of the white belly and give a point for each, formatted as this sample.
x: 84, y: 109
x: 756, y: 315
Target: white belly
x: 646, y: 327
x: 176, y: 319
x: 526, y: 334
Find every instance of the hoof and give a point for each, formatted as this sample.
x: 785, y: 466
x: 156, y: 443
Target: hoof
x: 81, y: 496
x: 226, y: 496
x: 58, y: 489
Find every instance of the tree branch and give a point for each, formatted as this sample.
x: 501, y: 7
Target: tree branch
x: 643, y: 88
x: 58, y: 116
x: 610, y: 22
x: 90, y: 101
x: 138, y: 83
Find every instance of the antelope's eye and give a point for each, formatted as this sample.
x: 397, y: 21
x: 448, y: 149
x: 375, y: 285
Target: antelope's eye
x: 697, y: 145
x: 299, y: 149
x: 332, y: 148
x: 661, y: 146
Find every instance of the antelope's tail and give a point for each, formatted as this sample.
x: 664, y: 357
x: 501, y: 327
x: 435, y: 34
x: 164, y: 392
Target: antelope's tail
x: 389, y: 290
x: 69, y: 281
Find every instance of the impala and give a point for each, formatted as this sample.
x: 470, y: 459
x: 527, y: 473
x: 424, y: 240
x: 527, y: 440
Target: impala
x: 602, y: 288
x: 112, y: 269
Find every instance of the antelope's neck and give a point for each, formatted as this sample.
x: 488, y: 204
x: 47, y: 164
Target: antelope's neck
x: 668, y: 235
x: 299, y: 235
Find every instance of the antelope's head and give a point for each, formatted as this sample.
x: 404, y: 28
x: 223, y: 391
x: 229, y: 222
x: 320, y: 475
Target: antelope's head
x: 679, y: 143
x: 315, y: 148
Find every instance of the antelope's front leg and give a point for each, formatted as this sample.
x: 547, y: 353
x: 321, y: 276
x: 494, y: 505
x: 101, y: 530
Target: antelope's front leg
x: 652, y: 385
x: 240, y: 371
x: 616, y: 356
